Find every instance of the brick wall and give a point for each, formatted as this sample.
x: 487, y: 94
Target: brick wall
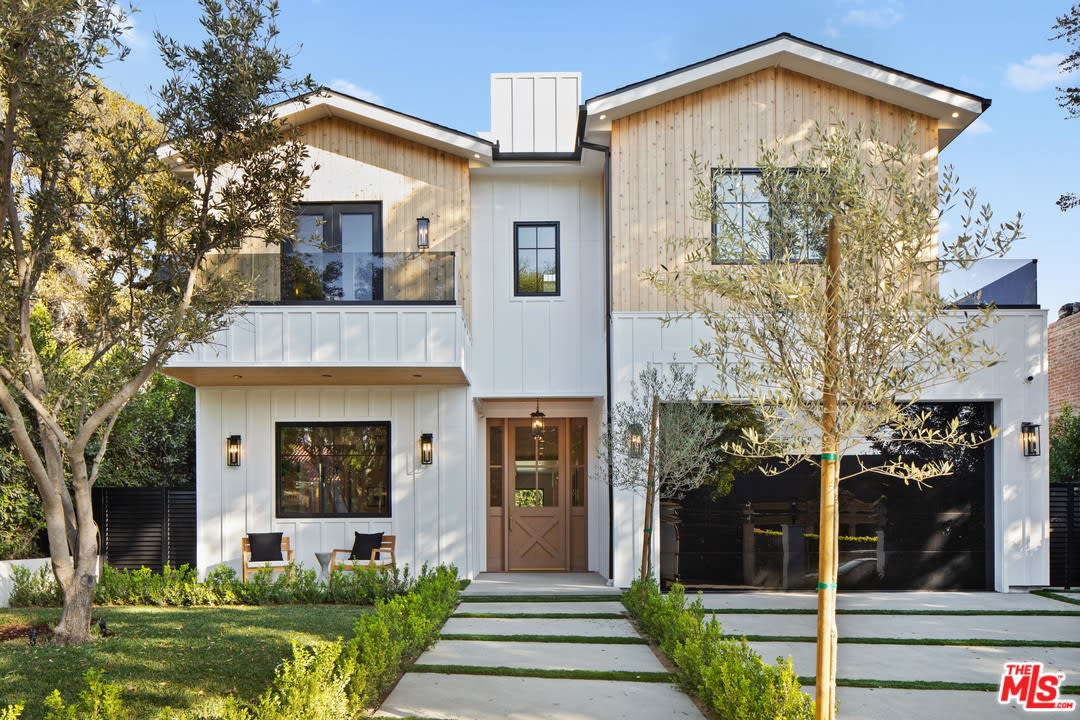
x: 1063, y: 362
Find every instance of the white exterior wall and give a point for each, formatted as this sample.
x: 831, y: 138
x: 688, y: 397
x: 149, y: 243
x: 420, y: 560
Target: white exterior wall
x: 1021, y: 491
x: 369, y: 336
x: 429, y: 504
x: 535, y: 112
x: 535, y: 346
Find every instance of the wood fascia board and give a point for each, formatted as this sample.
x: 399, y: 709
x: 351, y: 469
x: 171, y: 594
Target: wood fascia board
x: 330, y: 104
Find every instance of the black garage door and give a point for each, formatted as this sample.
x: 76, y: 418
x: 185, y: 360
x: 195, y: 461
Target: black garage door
x: 893, y: 536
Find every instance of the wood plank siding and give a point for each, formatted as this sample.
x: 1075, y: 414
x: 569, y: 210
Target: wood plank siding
x: 652, y: 185
x: 360, y: 164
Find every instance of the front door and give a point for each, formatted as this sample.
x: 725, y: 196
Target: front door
x: 537, y: 498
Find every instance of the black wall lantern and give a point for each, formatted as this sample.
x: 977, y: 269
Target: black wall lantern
x: 423, y: 225
x: 1029, y: 439
x: 427, y: 448
x: 232, y: 451
x: 537, y: 422
x: 635, y: 440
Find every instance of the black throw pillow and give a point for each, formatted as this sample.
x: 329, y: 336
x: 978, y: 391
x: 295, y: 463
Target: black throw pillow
x: 364, y: 544
x: 265, y: 547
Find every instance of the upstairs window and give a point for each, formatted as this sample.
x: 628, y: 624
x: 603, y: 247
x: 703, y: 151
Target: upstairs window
x: 336, y: 254
x: 536, y: 259
x: 771, y: 227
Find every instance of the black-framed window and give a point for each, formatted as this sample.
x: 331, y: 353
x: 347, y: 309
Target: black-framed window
x: 333, y: 469
x: 536, y: 259
x: 336, y: 254
x: 774, y: 228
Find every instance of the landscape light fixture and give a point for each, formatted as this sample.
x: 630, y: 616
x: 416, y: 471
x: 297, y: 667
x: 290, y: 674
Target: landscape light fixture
x: 1029, y: 439
x: 232, y: 451
x: 423, y: 225
x: 537, y: 422
x: 427, y: 451
x: 635, y: 440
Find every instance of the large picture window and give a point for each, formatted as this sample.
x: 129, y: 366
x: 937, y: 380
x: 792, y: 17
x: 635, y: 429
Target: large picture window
x: 769, y: 225
x: 333, y: 469
x: 536, y: 259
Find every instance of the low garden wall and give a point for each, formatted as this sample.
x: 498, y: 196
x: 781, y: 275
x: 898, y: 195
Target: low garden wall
x: 7, y: 573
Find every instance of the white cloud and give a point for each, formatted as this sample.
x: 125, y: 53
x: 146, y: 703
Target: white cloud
x: 130, y: 34
x: 1035, y: 73
x: 350, y: 88
x: 876, y: 15
x: 979, y: 127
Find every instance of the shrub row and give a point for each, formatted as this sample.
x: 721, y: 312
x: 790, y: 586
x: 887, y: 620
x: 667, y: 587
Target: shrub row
x: 222, y: 586
x: 724, y: 672
x: 325, y: 681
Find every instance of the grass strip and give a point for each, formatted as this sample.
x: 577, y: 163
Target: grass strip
x: 808, y: 680
x: 973, y: 613
x: 612, y: 597
x: 949, y: 642
x: 503, y: 671
x: 540, y: 616
x: 581, y: 639
x: 1056, y: 595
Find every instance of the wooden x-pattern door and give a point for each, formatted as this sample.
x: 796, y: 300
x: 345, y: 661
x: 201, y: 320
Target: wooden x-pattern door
x: 537, y: 498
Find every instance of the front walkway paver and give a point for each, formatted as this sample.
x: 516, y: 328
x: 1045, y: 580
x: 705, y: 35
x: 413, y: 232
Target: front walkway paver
x: 891, y: 704
x: 534, y: 608
x: 566, y: 627
x: 542, y: 656
x: 480, y: 697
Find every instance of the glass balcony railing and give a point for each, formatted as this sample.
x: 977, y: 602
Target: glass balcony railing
x: 327, y: 277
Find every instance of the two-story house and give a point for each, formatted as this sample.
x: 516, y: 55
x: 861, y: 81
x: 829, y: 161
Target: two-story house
x: 435, y: 352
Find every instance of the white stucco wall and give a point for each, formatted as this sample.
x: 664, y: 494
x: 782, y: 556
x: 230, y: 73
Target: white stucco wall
x: 429, y: 504
x: 1021, y: 492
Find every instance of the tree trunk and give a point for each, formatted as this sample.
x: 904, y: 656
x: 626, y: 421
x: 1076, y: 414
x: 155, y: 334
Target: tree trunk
x: 650, y: 490
x: 828, y: 545
x: 74, y: 625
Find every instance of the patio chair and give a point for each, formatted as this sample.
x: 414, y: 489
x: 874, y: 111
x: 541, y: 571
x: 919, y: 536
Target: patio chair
x: 259, y: 551
x: 369, y: 550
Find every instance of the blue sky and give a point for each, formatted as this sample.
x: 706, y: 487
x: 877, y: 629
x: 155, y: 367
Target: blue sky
x: 433, y: 60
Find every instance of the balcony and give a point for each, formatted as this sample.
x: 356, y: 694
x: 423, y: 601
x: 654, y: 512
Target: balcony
x: 338, y: 319
x: 427, y: 278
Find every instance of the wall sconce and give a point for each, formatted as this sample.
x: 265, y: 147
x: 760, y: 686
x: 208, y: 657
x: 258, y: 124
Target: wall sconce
x: 1029, y: 439
x: 427, y: 451
x: 232, y: 451
x: 422, y: 227
x: 537, y: 422
x: 635, y: 440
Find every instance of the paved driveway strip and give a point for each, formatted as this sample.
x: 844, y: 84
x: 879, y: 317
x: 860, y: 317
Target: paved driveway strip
x: 993, y: 627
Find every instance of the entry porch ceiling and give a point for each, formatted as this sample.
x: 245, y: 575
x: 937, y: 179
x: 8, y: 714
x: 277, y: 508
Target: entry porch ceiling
x: 280, y: 376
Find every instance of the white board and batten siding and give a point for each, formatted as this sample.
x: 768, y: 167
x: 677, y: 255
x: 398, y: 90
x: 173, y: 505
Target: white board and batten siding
x: 542, y: 346
x: 413, y: 335
x: 1020, y: 494
x: 535, y: 112
x: 428, y: 503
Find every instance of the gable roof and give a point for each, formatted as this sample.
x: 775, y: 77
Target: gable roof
x: 331, y: 103
x: 954, y: 109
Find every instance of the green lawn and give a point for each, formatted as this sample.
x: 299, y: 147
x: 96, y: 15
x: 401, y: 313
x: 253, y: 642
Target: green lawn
x: 186, y: 658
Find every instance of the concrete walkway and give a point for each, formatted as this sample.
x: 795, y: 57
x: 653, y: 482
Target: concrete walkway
x: 490, y: 696
x: 489, y: 635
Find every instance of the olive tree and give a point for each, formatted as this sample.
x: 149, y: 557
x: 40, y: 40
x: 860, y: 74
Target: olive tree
x: 107, y: 238
x: 826, y: 313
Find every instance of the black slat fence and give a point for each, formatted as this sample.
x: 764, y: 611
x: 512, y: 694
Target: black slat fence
x: 146, y: 527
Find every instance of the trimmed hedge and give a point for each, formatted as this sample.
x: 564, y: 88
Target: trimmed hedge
x: 326, y: 681
x: 222, y: 586
x: 725, y: 673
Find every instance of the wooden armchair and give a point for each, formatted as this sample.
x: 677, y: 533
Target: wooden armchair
x: 382, y: 557
x: 250, y: 567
